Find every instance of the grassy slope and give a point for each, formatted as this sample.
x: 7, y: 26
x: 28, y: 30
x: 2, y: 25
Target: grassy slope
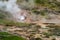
x: 12, y: 23
x: 7, y: 36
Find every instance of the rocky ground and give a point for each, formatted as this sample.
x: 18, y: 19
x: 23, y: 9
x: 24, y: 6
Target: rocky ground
x: 34, y: 32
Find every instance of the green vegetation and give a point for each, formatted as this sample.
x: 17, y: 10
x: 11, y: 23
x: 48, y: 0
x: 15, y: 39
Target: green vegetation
x: 12, y: 23
x: 47, y: 35
x: 7, y: 36
x: 55, y: 5
x: 41, y: 1
x: 2, y: 16
x: 55, y: 30
x: 42, y: 12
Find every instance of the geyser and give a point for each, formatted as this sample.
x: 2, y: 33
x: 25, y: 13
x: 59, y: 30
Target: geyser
x: 12, y: 7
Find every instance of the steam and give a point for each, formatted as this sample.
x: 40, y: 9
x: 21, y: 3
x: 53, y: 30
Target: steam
x: 12, y: 7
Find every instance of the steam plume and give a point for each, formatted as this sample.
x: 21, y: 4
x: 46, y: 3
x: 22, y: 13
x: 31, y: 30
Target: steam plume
x: 12, y: 7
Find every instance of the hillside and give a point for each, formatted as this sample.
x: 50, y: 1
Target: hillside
x: 30, y: 19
